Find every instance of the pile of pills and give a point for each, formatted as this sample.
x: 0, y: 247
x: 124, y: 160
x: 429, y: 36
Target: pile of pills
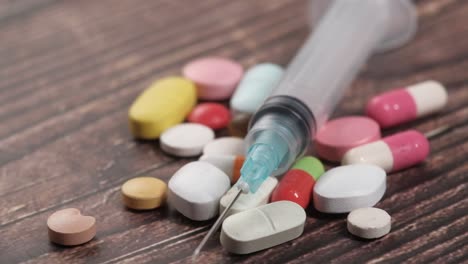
x: 274, y: 214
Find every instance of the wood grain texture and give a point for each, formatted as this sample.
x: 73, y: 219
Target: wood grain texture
x: 69, y: 70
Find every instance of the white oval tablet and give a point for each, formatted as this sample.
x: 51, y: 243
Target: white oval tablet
x: 262, y: 227
x: 225, y: 146
x: 195, y: 190
x: 249, y: 200
x: 186, y: 140
x: 369, y: 222
x: 345, y: 188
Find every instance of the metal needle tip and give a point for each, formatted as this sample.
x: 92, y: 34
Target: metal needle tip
x: 216, y: 225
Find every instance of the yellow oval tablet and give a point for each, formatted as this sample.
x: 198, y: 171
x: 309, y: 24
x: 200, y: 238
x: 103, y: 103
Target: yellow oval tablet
x: 164, y: 104
x: 143, y: 193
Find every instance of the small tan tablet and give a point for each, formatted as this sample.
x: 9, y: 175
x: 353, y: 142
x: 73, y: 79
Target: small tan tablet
x: 69, y: 228
x: 144, y: 193
x: 369, y: 222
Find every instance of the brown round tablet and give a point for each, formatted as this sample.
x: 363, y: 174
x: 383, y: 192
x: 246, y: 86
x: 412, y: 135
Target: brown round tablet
x: 69, y: 228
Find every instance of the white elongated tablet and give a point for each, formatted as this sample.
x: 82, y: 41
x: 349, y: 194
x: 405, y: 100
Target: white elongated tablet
x: 262, y: 227
x: 369, y: 222
x: 186, y: 140
x: 195, y: 190
x: 225, y: 146
x: 345, y: 188
x: 250, y: 200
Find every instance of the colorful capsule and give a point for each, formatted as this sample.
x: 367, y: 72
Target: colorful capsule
x: 393, y: 153
x: 297, y: 184
x: 403, y: 105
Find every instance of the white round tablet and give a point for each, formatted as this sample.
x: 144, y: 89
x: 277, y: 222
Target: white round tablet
x: 225, y: 146
x: 369, y: 222
x: 186, y: 140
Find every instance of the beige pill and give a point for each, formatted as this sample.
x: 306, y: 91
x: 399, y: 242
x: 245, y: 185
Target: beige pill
x: 69, y: 228
x: 369, y: 222
x: 144, y: 193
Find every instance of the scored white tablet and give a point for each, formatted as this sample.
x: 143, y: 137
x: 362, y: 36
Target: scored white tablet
x: 262, y: 227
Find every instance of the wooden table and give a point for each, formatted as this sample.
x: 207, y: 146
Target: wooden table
x: 70, y: 69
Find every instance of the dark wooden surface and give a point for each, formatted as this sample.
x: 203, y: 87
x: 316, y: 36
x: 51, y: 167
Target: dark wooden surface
x: 70, y: 69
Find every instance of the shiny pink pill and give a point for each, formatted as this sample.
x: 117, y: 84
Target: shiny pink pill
x: 337, y: 136
x: 216, y: 78
x: 393, y: 153
x: 403, y: 105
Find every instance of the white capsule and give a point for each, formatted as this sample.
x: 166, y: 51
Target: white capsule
x: 249, y: 200
x: 377, y: 153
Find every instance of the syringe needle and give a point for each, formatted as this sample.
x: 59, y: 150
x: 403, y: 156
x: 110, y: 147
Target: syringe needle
x: 438, y: 131
x: 442, y: 130
x: 216, y: 225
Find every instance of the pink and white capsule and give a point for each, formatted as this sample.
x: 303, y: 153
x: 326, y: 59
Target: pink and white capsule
x: 393, y: 153
x: 403, y: 105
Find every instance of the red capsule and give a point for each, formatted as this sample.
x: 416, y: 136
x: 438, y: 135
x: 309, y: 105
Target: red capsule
x: 296, y: 186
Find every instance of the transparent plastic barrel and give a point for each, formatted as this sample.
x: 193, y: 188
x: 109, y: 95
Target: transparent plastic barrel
x: 343, y: 39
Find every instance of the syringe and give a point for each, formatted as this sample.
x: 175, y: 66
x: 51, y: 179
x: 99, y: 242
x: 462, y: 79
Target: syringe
x: 282, y: 129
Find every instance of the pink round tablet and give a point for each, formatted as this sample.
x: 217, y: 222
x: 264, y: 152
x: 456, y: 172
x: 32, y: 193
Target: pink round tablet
x: 213, y: 115
x: 341, y: 134
x: 216, y: 78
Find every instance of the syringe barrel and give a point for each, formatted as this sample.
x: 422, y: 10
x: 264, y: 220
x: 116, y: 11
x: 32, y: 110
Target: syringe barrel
x: 327, y: 63
x: 333, y: 55
x: 285, y: 124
